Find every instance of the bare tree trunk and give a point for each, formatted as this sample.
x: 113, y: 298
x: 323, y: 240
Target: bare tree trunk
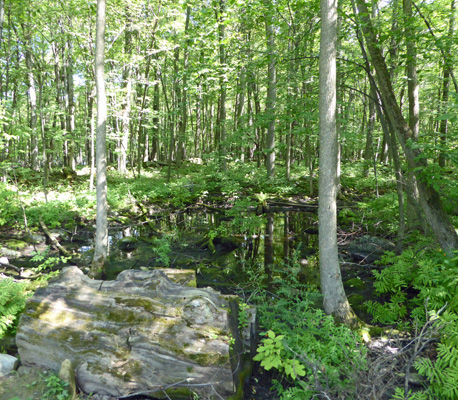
x: 101, y: 238
x: 2, y: 19
x: 239, y: 112
x: 413, y: 216
x: 43, y: 140
x: 155, y: 132
x: 92, y: 150
x: 184, y: 99
x: 368, y: 152
x: 33, y: 104
x: 429, y: 198
x: 334, y: 299
x: 70, y: 110
x: 222, y: 81
x: 271, y: 91
x: 126, y: 105
x: 447, y: 72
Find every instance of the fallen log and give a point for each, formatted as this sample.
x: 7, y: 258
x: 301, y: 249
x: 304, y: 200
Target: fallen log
x: 141, y: 333
x: 53, y: 240
x: 5, y: 262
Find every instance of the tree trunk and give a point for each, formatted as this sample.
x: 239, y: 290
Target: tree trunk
x: 155, y: 131
x: 368, y: 152
x: 447, y: 72
x: 43, y: 141
x: 101, y: 238
x: 271, y: 91
x: 70, y: 110
x: 429, y: 198
x: 2, y: 18
x: 222, y: 82
x: 92, y: 152
x: 334, y: 299
x: 414, y: 217
x: 33, y: 105
x: 126, y: 105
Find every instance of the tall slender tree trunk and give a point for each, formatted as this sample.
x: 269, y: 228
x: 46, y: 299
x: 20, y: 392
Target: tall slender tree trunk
x: 446, y: 72
x: 92, y: 141
x: 271, y: 91
x: 101, y: 237
x: 43, y: 138
x: 223, y: 89
x: 33, y: 107
x: 414, y: 217
x: 71, y: 162
x: 126, y: 105
x: 239, y: 112
x: 154, y: 154
x: 184, y: 98
x: 429, y: 198
x: 2, y: 19
x: 368, y: 151
x: 334, y: 299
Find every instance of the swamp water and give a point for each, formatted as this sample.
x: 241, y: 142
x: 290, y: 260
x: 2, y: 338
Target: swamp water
x: 224, y: 252
x: 231, y: 254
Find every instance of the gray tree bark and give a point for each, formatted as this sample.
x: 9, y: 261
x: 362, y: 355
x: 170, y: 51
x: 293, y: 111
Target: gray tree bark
x: 126, y: 105
x: 33, y: 103
x: 334, y: 299
x: 447, y: 72
x: 101, y: 237
x: 70, y: 160
x: 222, y: 60
x: 429, y: 198
x: 271, y: 91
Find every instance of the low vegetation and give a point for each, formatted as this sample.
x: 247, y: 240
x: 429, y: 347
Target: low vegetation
x: 304, y: 353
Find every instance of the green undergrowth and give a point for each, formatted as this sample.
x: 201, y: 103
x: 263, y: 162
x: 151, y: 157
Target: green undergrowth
x: 421, y: 287
x: 14, y: 293
x: 13, y: 296
x: 69, y: 201
x: 309, y: 351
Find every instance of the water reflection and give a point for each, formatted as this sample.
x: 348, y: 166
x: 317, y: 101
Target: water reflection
x: 271, y: 242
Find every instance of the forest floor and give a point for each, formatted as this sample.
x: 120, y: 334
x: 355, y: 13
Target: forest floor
x: 360, y: 213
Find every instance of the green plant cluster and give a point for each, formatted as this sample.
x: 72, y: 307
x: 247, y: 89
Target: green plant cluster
x: 415, y: 280
x: 46, y: 261
x: 273, y: 354
x: 49, y: 387
x: 56, y: 389
x: 13, y: 296
x: 8, y: 206
x: 304, y: 344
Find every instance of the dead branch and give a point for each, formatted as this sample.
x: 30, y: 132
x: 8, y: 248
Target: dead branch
x: 54, y: 241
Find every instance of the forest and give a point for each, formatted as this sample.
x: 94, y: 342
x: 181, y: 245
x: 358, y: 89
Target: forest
x: 301, y: 155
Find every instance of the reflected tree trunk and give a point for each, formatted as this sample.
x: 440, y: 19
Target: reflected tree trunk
x: 269, y: 249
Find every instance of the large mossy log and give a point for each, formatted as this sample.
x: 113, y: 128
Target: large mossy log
x: 141, y: 333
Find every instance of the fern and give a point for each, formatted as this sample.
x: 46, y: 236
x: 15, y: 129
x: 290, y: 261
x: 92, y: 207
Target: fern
x: 13, y: 296
x: 433, y: 276
x: 443, y: 373
x: 400, y: 395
